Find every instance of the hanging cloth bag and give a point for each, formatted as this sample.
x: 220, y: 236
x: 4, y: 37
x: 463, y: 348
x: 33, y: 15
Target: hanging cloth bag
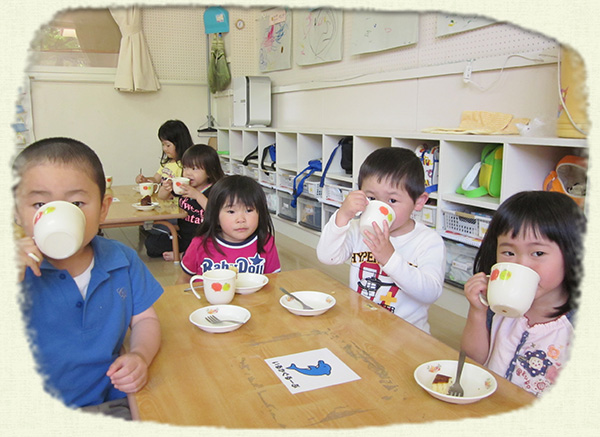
x: 219, y: 76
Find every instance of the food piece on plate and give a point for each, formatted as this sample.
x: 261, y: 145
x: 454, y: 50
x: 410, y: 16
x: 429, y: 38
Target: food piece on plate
x: 441, y: 383
x: 234, y: 268
x: 146, y: 201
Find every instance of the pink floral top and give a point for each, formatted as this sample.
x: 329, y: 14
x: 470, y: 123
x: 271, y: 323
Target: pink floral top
x: 529, y: 356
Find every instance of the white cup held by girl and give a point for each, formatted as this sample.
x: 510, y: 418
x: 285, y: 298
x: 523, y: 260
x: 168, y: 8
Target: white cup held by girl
x: 178, y: 183
x: 511, y: 289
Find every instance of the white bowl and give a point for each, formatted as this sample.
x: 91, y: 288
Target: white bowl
x: 231, y: 312
x: 247, y: 283
x: 476, y: 382
x: 321, y: 302
x: 141, y: 207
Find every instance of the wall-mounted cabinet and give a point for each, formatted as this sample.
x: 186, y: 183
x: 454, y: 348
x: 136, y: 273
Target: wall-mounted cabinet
x: 526, y: 162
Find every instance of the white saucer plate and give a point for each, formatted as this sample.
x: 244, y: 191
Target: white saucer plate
x: 476, y: 382
x: 229, y: 312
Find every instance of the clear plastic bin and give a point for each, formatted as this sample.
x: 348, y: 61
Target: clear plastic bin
x: 309, y: 213
x: 286, y: 210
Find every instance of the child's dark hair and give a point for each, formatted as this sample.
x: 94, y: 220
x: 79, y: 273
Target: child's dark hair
x: 204, y: 157
x: 177, y: 133
x: 551, y: 215
x: 400, y: 166
x: 60, y: 150
x: 236, y: 189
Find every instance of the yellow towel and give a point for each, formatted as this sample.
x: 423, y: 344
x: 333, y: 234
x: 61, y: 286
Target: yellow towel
x: 483, y: 123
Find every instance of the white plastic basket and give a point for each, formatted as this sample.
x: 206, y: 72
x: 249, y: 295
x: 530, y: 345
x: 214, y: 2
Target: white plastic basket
x: 465, y: 223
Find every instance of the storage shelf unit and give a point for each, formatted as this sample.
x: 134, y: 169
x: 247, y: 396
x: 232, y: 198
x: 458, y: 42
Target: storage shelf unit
x: 526, y: 162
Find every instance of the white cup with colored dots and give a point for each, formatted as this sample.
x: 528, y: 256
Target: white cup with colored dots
x: 378, y: 212
x: 511, y: 289
x: 219, y: 285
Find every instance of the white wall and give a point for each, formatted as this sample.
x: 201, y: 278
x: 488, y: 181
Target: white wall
x: 121, y: 127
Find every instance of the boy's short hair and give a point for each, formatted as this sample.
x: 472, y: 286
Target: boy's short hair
x: 60, y: 150
x: 400, y: 166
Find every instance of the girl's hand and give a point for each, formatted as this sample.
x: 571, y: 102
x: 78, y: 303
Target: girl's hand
x: 28, y: 255
x: 354, y: 203
x: 128, y: 373
x: 476, y: 285
x: 378, y: 242
x: 167, y: 185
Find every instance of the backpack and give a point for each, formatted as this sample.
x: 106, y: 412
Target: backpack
x: 346, y: 160
x: 569, y: 177
x: 313, y: 166
x: 269, y: 150
x: 430, y: 158
x: 485, y: 177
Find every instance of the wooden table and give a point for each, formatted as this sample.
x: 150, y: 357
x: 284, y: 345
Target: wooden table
x: 122, y: 214
x: 205, y: 379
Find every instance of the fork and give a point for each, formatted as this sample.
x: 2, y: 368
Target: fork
x: 215, y: 320
x: 456, y: 389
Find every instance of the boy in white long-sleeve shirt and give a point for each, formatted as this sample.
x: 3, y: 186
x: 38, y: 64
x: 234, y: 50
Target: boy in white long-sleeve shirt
x: 400, y: 267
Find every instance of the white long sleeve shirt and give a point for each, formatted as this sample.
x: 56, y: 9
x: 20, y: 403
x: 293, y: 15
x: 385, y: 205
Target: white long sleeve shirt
x: 407, y: 284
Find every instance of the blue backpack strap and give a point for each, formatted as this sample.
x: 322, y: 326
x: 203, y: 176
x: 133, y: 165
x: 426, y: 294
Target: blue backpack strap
x: 329, y: 161
x: 313, y: 166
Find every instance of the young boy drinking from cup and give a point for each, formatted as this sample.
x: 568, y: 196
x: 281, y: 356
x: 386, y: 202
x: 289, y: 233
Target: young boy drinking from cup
x: 400, y: 265
x: 78, y: 308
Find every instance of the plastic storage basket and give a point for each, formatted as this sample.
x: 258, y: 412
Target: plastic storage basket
x: 464, y: 223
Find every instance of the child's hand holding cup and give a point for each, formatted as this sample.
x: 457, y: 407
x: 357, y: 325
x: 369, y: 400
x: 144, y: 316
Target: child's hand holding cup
x: 378, y: 212
x: 511, y: 289
x: 219, y: 285
x: 58, y: 229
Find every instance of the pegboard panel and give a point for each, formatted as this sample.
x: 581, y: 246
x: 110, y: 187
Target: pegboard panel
x: 177, y: 42
x: 491, y: 41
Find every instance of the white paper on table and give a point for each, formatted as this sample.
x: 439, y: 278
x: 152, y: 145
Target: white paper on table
x: 311, y: 370
x: 116, y: 200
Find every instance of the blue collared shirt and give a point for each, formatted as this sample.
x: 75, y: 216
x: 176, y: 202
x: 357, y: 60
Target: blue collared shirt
x: 75, y: 340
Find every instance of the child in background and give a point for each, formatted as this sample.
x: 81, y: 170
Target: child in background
x: 175, y: 139
x: 237, y: 232
x: 202, y: 166
x: 78, y: 310
x: 400, y: 267
x: 543, y: 231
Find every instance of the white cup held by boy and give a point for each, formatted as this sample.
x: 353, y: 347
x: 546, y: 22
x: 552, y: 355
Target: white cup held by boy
x: 178, y: 183
x: 219, y: 285
x: 148, y: 188
x: 511, y: 289
x: 58, y: 229
x: 378, y: 212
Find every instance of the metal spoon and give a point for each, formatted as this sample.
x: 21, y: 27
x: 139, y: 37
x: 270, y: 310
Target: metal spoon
x: 304, y: 306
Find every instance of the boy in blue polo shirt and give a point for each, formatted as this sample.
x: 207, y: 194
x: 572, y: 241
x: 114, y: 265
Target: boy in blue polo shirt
x: 78, y: 310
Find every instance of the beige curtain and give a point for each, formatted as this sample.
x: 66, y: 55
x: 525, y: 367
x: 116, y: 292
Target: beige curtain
x: 135, y: 72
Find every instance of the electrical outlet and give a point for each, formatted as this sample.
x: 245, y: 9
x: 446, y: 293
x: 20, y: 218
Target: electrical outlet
x: 467, y: 73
